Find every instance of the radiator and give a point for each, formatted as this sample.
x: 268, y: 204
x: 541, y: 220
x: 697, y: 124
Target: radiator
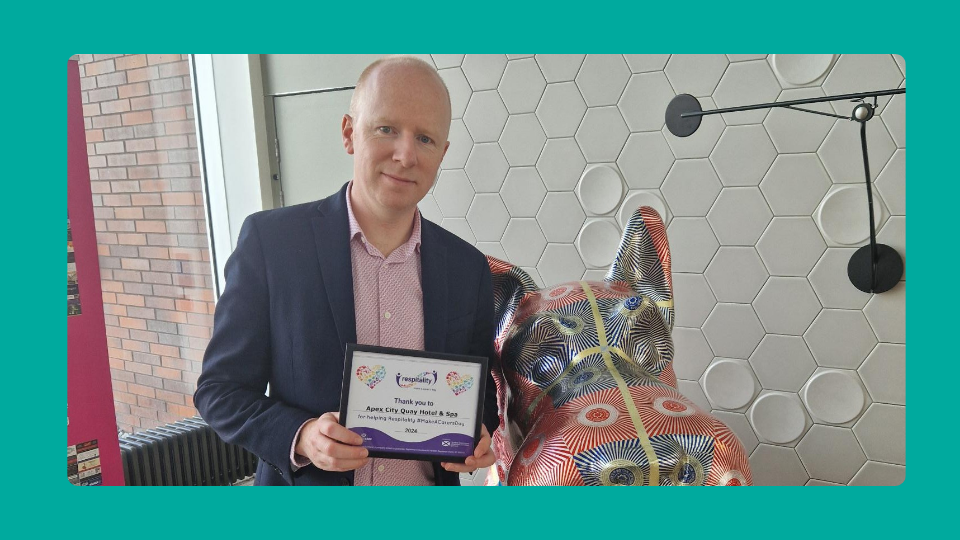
x: 184, y: 453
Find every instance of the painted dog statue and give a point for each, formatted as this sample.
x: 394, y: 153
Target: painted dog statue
x: 585, y: 386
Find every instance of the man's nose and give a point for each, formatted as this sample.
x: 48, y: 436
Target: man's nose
x: 406, y: 151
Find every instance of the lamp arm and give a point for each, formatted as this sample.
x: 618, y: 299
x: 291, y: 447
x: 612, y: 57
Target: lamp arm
x: 788, y: 104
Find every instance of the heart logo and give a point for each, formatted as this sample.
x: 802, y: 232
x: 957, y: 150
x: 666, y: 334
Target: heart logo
x: 459, y: 383
x: 371, y: 376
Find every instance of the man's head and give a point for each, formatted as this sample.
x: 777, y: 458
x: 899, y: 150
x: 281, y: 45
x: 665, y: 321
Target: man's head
x: 397, y: 132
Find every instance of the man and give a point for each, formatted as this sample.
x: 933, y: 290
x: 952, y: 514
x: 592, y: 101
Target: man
x: 361, y: 266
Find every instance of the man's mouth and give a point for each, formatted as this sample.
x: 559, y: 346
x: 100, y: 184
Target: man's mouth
x: 399, y: 178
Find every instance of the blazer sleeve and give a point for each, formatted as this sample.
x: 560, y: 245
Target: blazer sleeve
x: 483, y: 345
x: 237, y: 364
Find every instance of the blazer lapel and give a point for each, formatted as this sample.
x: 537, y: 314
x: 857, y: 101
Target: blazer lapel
x: 331, y: 230
x: 433, y: 258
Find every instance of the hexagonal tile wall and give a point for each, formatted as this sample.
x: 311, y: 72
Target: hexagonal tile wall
x: 842, y: 154
x: 692, y: 244
x: 453, y: 193
x: 561, y: 109
x: 644, y: 100
x: 895, y: 117
x: 886, y: 315
x: 486, y: 167
x: 831, y: 453
x: 459, y: 90
x: 602, y: 134
x: 791, y: 246
x: 560, y: 217
x: 693, y: 300
x: 894, y: 234
x: 739, y: 216
x: 522, y: 140
x: 692, y: 391
x: 523, y: 242
x: 884, y: 373
x: 874, y: 473
x: 733, y: 330
x: 521, y: 86
x: 696, y: 74
x: 645, y: 160
x: 840, y: 338
x: 485, y: 116
x: 460, y: 146
x: 692, y: 353
x: 691, y: 187
x: 831, y: 283
x: 834, y: 396
x: 795, y: 184
x: 429, y: 209
x: 843, y: 216
x: 736, y: 274
x: 641, y: 63
x: 892, y: 183
x: 782, y: 362
x: 795, y: 131
x: 777, y: 466
x: 523, y: 191
x: 730, y: 384
x: 746, y: 83
x: 559, y: 67
x: 488, y: 217
x: 701, y: 143
x: 447, y: 60
x: 743, y: 155
x: 483, y: 71
x: 786, y: 305
x: 560, y: 263
x: 882, y: 433
x: 600, y: 189
x: 862, y: 73
x: 602, y: 78
x: 778, y: 418
x: 494, y: 249
x: 801, y: 69
x: 598, y: 242
x: 561, y: 164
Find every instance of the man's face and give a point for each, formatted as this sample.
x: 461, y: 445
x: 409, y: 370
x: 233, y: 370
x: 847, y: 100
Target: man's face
x: 398, y: 138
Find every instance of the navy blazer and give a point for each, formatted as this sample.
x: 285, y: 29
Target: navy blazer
x: 287, y: 312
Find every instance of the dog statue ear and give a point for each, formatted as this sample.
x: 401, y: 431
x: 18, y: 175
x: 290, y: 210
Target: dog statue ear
x: 643, y: 261
x: 510, y: 285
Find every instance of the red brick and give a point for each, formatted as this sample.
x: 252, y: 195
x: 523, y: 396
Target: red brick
x: 173, y: 99
x: 146, y: 102
x: 136, y: 118
x: 161, y: 303
x: 132, y: 239
x: 119, y: 353
x: 111, y: 286
x: 181, y: 68
x: 114, y: 147
x: 129, y: 213
x: 133, y: 90
x: 166, y: 373
x: 151, y: 158
x: 111, y: 308
x: 121, y: 375
x: 136, y: 346
x: 143, y: 172
x: 184, y: 254
x: 194, y: 331
x: 102, y: 94
x: 178, y: 199
x: 143, y: 74
x: 116, y: 200
x: 116, y: 106
x: 172, y: 316
x: 121, y: 160
x: 97, y: 68
x: 141, y: 145
x: 126, y: 276
x: 175, y: 363
x: 130, y: 300
x: 131, y: 61
x: 125, y: 186
x: 134, y: 264
x: 205, y: 295
x: 100, y: 187
x: 170, y: 114
x: 96, y: 162
x: 151, y: 252
x: 116, y: 363
x: 151, y: 227
x: 109, y: 121
x: 190, y: 305
x: 91, y: 109
x: 150, y: 403
x: 182, y: 411
x: 162, y: 58
x: 138, y: 369
x: 170, y: 142
x: 112, y: 79
x: 146, y: 199
x: 124, y: 397
x: 176, y: 128
x: 96, y: 135
x: 155, y: 185
x: 164, y: 350
x: 170, y: 397
x: 119, y: 173
x: 127, y: 322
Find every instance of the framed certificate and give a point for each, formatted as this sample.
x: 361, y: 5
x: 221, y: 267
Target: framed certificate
x: 410, y: 404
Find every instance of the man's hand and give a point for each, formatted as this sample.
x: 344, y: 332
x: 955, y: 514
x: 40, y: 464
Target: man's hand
x: 483, y: 456
x: 330, y: 446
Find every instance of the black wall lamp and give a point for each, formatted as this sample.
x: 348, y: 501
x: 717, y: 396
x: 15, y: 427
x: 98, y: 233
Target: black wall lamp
x: 875, y: 268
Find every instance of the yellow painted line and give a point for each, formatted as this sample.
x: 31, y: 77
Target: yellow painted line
x: 654, y: 478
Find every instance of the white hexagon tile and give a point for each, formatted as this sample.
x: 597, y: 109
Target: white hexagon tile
x: 561, y: 164
x: 550, y: 155
x: 521, y: 86
x: 561, y: 109
x: 743, y: 155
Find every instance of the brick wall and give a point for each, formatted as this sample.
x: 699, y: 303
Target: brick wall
x: 151, y: 231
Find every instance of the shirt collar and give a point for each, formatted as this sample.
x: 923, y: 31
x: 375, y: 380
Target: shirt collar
x: 408, y: 248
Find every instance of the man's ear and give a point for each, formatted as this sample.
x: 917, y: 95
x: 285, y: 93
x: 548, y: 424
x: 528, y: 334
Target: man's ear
x: 445, y: 148
x: 346, y: 130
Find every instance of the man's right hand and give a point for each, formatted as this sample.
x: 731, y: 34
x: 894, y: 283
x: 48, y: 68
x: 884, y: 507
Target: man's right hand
x: 330, y: 446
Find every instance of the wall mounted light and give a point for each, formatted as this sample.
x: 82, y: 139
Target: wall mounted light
x: 874, y: 268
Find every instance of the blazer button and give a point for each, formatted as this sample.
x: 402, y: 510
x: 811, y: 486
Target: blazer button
x: 344, y: 481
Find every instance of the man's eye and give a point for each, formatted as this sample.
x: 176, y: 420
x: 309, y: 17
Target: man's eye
x: 384, y: 129
x: 425, y: 140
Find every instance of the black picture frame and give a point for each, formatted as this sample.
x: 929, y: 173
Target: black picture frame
x: 348, y: 369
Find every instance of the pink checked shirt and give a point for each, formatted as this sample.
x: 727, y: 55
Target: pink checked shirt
x: 388, y: 301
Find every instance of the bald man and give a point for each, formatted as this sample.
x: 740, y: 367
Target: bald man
x: 361, y: 266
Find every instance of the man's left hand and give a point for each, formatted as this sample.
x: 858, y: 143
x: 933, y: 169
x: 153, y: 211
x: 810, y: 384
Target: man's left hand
x: 483, y: 456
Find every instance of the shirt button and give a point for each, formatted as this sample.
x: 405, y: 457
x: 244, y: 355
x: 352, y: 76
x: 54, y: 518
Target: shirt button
x: 380, y: 468
x: 386, y: 315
